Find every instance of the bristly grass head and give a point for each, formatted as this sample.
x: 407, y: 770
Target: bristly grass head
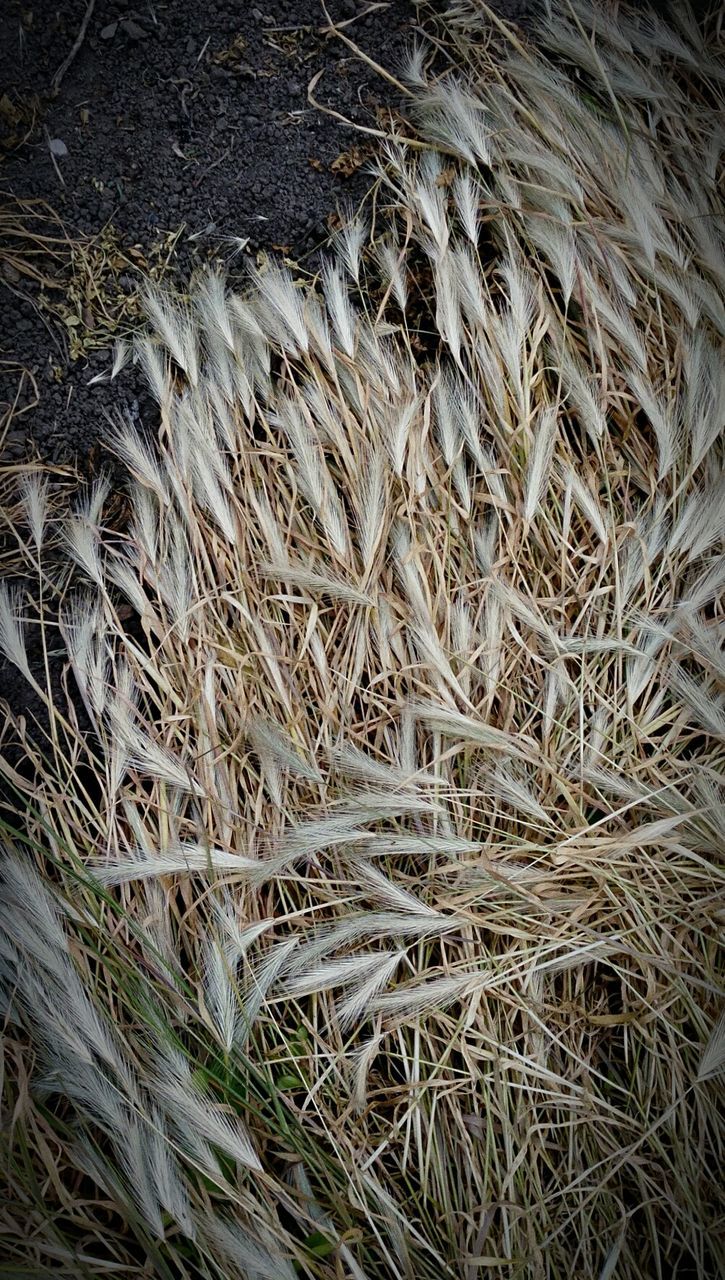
x: 374, y: 928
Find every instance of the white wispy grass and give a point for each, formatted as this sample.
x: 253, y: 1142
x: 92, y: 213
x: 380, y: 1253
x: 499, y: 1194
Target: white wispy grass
x: 36, y: 504
x: 82, y: 625
x: 187, y: 859
x: 12, y: 629
x: 175, y: 327
x: 540, y: 462
x: 249, y: 1256
x: 308, y: 580
x: 143, y: 750
x: 373, y: 928
x: 190, y: 1111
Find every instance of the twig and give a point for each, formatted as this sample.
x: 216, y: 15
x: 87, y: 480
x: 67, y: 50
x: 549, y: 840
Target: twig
x: 65, y: 64
x: 61, y: 179
x: 379, y: 4
x: 309, y: 26
x: 373, y: 133
x: 506, y: 30
x: 208, y: 170
x: 334, y: 30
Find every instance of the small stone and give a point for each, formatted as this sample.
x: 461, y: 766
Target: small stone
x: 133, y: 30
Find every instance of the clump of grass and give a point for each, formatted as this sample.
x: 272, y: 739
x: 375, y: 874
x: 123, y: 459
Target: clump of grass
x: 374, y: 930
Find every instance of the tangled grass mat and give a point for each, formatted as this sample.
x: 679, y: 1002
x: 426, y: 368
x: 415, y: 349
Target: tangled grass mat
x: 361, y: 909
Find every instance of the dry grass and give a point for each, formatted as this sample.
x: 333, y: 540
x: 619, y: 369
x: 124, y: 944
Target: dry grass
x: 374, y: 930
x: 74, y: 279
